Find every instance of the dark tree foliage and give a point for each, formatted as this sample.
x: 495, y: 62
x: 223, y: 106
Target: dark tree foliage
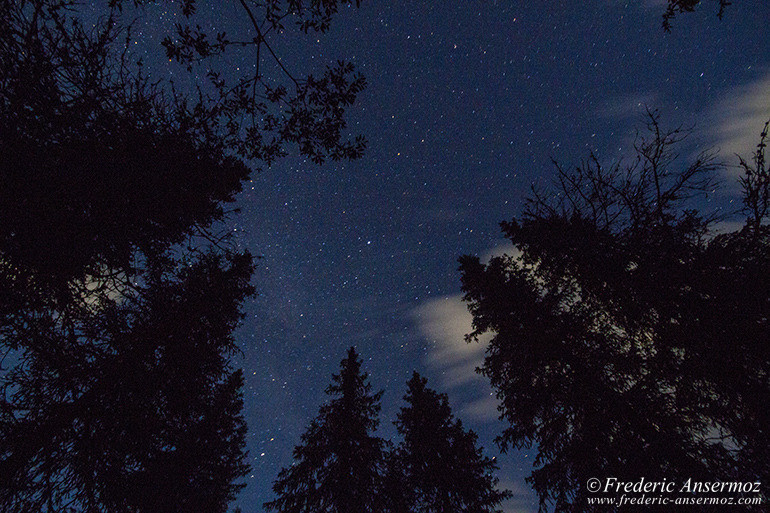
x: 338, y: 466
x: 88, y: 142
x: 129, y: 403
x: 260, y: 113
x: 119, y: 288
x: 675, y: 7
x: 438, y: 466
x: 629, y: 339
x: 96, y: 165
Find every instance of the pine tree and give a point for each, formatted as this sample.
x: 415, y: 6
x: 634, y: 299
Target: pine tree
x: 337, y: 467
x: 438, y: 467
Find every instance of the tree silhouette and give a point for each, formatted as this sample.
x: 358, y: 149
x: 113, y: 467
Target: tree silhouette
x: 96, y: 164
x: 261, y: 112
x: 130, y: 404
x: 438, y: 467
x: 628, y: 340
x: 99, y: 162
x: 338, y: 465
x: 119, y: 285
x: 675, y: 7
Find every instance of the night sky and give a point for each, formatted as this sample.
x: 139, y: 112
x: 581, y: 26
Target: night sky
x: 467, y: 104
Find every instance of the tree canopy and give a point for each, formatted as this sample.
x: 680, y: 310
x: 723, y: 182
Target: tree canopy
x: 96, y: 164
x: 120, y: 288
x: 260, y: 113
x: 89, y: 142
x: 129, y: 404
x: 675, y: 7
x: 629, y: 338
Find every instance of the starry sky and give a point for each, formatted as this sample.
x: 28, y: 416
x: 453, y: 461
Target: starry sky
x: 467, y: 104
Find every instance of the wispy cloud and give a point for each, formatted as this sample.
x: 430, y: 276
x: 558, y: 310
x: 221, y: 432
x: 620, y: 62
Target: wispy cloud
x: 731, y: 124
x: 737, y: 119
x: 444, y: 322
x: 483, y: 408
x: 628, y: 105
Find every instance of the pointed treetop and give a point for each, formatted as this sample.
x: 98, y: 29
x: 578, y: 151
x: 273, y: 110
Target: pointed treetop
x: 439, y: 466
x: 337, y: 466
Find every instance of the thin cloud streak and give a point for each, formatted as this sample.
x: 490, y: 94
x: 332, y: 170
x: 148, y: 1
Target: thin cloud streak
x: 738, y: 118
x: 444, y: 322
x: 629, y: 105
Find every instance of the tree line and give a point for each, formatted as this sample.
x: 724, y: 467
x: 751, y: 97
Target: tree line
x: 341, y: 466
x: 629, y: 336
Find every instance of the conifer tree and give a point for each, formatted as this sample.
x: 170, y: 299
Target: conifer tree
x: 130, y: 404
x: 629, y: 339
x: 438, y: 466
x: 120, y: 286
x: 338, y: 465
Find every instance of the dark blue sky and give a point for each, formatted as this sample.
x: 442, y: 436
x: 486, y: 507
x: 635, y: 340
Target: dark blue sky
x: 466, y: 105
